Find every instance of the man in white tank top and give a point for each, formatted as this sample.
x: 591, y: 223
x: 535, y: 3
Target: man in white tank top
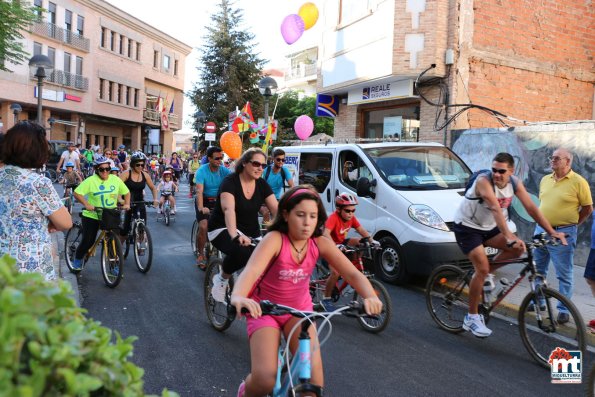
x: 480, y: 222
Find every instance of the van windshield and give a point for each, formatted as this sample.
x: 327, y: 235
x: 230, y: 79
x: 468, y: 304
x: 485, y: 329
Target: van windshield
x: 420, y: 167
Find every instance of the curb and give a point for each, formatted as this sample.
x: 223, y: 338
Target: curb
x: 62, y: 269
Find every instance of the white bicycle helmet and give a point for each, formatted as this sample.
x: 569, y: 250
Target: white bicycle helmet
x: 137, y: 156
x: 101, y: 160
x: 345, y: 198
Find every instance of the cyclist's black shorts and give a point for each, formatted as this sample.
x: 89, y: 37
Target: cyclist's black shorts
x: 208, y: 202
x: 469, y: 238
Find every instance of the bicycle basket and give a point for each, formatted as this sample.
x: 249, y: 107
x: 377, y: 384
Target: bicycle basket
x: 109, y: 219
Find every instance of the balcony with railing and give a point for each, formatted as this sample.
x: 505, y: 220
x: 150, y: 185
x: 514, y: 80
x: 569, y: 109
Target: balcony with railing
x: 153, y: 116
x: 68, y: 37
x: 301, y: 71
x: 66, y: 79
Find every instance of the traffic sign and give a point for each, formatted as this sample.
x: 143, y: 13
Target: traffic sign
x: 210, y: 136
x: 210, y: 127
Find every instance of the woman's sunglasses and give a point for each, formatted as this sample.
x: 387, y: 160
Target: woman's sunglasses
x: 102, y: 169
x: 257, y: 164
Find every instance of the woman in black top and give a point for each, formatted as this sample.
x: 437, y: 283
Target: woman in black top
x: 235, y: 217
x: 135, y: 179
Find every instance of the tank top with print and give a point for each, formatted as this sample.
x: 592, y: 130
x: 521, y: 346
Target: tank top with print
x: 285, y: 281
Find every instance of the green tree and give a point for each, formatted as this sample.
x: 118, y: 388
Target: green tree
x: 14, y: 18
x: 230, y: 68
x: 290, y: 107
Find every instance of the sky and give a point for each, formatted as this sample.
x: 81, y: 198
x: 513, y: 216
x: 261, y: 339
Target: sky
x: 186, y: 20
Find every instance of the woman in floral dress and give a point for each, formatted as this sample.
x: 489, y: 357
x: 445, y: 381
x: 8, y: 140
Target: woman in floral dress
x: 29, y: 205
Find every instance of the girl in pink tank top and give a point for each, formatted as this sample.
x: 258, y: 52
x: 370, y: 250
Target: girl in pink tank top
x: 279, y: 270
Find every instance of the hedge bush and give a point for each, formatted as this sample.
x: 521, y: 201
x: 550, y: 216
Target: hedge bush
x: 49, y: 348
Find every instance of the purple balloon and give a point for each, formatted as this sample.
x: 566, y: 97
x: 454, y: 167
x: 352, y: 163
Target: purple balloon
x: 303, y: 127
x: 292, y: 28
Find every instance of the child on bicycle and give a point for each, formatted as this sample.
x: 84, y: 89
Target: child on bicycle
x: 338, y: 224
x: 71, y: 177
x: 166, y: 188
x: 279, y: 270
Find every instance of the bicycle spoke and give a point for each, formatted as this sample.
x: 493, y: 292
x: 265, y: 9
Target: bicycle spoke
x: 447, y: 297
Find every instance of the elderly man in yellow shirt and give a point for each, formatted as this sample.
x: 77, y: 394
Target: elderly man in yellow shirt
x: 565, y: 202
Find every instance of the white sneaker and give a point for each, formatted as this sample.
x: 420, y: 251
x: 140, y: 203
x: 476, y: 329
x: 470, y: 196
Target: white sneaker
x: 477, y: 326
x: 219, y: 288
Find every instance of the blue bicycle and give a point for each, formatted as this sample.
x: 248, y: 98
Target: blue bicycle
x: 294, y: 370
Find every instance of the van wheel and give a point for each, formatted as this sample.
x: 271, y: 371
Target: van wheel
x: 390, y: 263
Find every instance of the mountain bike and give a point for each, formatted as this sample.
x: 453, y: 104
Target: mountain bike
x: 294, y: 370
x: 139, y: 237
x: 112, y: 259
x: 447, y: 293
x: 218, y: 312
x: 343, y: 293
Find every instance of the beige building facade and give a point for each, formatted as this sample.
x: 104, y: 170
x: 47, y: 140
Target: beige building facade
x: 116, y: 79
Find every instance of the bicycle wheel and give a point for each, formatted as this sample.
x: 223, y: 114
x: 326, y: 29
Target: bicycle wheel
x: 379, y: 323
x: 216, y: 311
x: 166, y: 216
x: 541, y: 337
x: 112, y: 260
x: 52, y: 175
x: 318, y: 283
x: 447, y: 297
x: 71, y: 243
x: 193, y: 237
x: 143, y: 248
x: 70, y: 201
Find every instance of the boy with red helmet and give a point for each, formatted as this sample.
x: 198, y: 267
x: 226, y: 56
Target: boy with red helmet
x: 336, y: 228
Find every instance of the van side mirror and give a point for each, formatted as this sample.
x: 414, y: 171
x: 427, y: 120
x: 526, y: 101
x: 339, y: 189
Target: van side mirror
x: 364, y: 187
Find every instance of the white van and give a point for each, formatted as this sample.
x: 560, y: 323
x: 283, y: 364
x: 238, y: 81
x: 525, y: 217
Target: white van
x: 408, y: 195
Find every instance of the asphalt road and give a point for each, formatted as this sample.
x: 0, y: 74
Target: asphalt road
x: 179, y: 350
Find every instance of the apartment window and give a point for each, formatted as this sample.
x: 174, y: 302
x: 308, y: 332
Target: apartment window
x: 67, y: 61
x: 110, y: 91
x: 120, y: 91
x: 112, y: 42
x: 101, y: 88
x: 68, y: 20
x: 166, y: 63
x: 130, y: 44
x: 138, y: 51
x: 80, y: 25
x: 38, y: 11
x: 36, y: 48
x: 155, y: 59
x: 127, y: 95
x: 175, y: 67
x: 79, y: 66
x: 52, y: 55
x: 52, y: 13
x: 352, y: 10
x: 103, y: 32
x: 136, y: 91
x: 122, y: 38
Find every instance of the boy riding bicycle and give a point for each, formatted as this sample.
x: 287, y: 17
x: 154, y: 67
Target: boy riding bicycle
x: 338, y: 224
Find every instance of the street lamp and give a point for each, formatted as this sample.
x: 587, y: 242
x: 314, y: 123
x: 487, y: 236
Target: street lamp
x: 39, y: 65
x: 16, y: 109
x: 267, y: 87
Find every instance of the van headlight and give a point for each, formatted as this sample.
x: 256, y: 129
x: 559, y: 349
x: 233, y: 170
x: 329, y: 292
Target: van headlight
x: 426, y: 216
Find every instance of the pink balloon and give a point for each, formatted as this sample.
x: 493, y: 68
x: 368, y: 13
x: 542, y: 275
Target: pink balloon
x: 292, y: 28
x: 303, y: 127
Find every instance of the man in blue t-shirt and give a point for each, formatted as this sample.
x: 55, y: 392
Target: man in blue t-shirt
x: 207, y: 180
x: 277, y: 176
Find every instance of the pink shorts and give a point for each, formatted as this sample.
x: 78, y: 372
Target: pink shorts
x: 254, y: 324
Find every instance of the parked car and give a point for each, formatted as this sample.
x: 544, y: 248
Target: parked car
x: 408, y: 194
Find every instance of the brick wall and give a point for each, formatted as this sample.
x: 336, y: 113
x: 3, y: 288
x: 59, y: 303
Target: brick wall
x: 346, y: 122
x: 532, y: 60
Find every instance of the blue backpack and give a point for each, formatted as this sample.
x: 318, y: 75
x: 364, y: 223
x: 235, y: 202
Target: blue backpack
x: 487, y: 172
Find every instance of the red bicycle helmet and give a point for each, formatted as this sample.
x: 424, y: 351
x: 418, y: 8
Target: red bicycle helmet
x: 345, y: 198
